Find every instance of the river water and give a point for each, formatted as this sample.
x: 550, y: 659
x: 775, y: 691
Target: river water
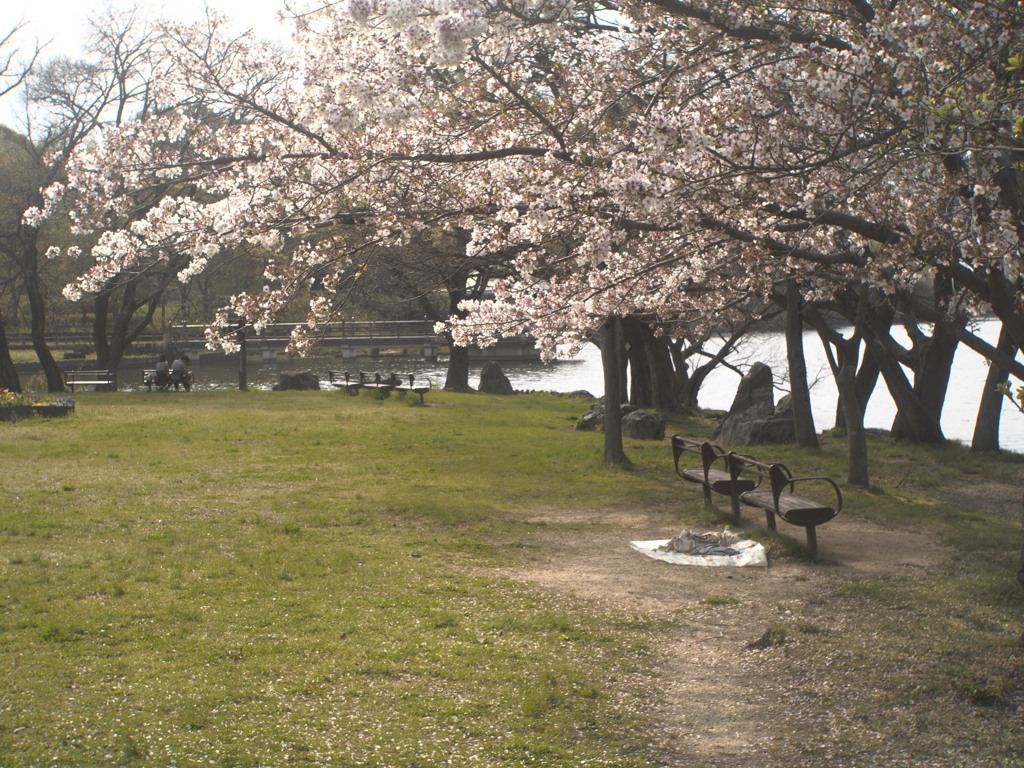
x: 584, y: 373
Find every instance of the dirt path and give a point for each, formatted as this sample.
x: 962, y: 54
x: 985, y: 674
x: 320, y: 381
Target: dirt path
x: 710, y: 713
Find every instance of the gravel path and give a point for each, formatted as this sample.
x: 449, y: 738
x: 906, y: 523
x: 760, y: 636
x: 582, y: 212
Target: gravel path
x: 719, y: 706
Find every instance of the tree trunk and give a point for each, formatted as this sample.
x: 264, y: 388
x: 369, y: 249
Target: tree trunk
x: 931, y: 381
x: 652, y: 375
x: 840, y: 352
x: 640, y: 392
x: 8, y: 373
x: 611, y: 364
x: 843, y: 363
x: 659, y: 364
x: 457, y: 375
x: 918, y: 423
x: 683, y: 390
x: 121, y: 315
x: 990, y: 409
x: 853, y: 417
x: 29, y: 261
x: 100, y: 314
x: 866, y: 381
x: 803, y: 419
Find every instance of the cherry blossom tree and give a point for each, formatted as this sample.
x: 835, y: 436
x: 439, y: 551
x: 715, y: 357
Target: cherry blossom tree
x: 650, y: 158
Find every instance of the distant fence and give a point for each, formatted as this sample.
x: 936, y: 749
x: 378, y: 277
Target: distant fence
x: 352, y: 337
x: 361, y: 333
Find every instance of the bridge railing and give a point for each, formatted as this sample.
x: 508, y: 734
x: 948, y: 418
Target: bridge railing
x: 354, y: 330
x: 411, y: 330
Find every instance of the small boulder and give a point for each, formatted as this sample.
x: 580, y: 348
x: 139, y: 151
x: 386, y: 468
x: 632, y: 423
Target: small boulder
x: 593, y: 419
x: 643, y: 425
x: 580, y: 394
x: 493, y: 380
x: 300, y: 380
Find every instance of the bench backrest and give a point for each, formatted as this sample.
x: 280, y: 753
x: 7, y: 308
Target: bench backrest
x: 778, y: 475
x: 709, y: 452
x: 365, y: 377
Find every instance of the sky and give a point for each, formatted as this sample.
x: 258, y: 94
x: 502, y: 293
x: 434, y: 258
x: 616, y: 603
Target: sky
x: 60, y: 24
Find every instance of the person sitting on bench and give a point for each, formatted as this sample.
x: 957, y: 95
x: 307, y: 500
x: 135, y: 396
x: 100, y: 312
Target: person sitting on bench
x: 161, y: 375
x: 180, y: 375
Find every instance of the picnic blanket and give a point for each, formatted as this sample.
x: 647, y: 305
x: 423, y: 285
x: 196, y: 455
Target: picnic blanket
x: 746, y: 552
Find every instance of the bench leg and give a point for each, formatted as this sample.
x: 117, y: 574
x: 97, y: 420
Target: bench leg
x: 735, y: 502
x: 707, y: 495
x: 812, y: 539
x: 769, y: 517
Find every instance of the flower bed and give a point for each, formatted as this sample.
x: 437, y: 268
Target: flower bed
x: 21, y: 405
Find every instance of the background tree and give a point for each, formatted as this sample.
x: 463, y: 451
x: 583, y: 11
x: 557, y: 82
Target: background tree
x: 71, y: 100
x: 14, y: 68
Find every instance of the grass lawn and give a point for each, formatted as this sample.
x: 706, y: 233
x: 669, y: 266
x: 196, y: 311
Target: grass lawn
x: 303, y: 578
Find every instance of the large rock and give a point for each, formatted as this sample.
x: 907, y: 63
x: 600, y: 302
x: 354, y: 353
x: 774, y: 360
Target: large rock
x: 756, y: 392
x: 753, y: 418
x: 744, y: 429
x: 298, y: 380
x: 643, y: 425
x: 493, y: 380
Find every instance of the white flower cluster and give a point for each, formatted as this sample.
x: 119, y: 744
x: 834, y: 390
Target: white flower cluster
x: 52, y: 196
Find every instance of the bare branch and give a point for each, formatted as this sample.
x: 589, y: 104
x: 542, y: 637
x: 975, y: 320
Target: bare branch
x: 13, y: 72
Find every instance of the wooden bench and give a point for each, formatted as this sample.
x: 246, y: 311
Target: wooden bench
x: 775, y: 494
x: 383, y: 384
x: 74, y: 379
x: 344, y: 380
x: 352, y: 383
x: 722, y: 480
x: 420, y: 388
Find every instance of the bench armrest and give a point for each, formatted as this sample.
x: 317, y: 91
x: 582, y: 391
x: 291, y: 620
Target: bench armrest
x: 681, y: 445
